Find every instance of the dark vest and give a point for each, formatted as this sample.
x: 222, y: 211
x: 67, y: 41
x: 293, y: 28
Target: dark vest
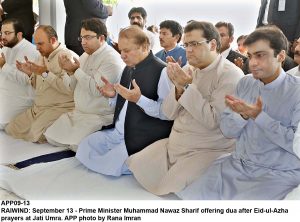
x: 140, y: 129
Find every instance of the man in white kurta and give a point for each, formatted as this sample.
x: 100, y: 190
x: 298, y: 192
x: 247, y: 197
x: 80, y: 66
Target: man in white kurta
x: 92, y: 109
x: 53, y: 94
x: 195, y: 105
x: 16, y: 95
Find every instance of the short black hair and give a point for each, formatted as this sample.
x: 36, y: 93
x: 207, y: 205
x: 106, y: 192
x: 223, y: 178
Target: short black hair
x: 94, y: 25
x: 140, y: 10
x: 16, y: 23
x: 228, y: 25
x: 173, y: 26
x: 209, y: 31
x: 272, y: 34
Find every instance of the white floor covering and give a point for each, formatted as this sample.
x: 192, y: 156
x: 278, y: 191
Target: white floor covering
x: 65, y: 179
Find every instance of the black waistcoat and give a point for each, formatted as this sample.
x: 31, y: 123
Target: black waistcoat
x: 140, y: 129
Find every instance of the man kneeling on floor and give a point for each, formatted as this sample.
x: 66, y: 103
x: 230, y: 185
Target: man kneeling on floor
x: 263, y: 116
x: 53, y: 94
x: 138, y: 120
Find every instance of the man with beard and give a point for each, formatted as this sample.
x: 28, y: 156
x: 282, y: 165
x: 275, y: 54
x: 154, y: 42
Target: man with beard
x: 16, y: 94
x: 296, y: 70
x: 54, y: 95
x: 138, y: 16
x: 21, y: 10
x: 170, y: 33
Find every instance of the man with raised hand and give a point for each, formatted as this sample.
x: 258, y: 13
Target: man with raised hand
x: 53, y: 92
x: 262, y: 116
x: 16, y: 94
x: 138, y: 120
x: 92, y: 110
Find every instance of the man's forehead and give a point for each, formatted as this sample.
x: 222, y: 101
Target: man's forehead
x: 8, y: 26
x: 126, y: 42
x: 87, y: 31
x: 164, y: 30
x: 136, y: 14
x: 196, y: 33
x: 259, y: 46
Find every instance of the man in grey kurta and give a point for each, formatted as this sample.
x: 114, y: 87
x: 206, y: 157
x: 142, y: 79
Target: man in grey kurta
x: 195, y: 105
x: 263, y: 116
x: 52, y: 86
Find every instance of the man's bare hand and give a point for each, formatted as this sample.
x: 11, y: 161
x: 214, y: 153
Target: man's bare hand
x: 2, y: 60
x: 107, y: 89
x: 171, y: 59
x: 239, y: 62
x: 29, y: 67
x: 178, y: 76
x: 109, y: 10
x: 132, y: 95
x: 66, y: 64
x: 243, y: 108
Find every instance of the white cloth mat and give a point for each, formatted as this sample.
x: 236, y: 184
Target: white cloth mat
x: 13, y: 150
x: 69, y: 179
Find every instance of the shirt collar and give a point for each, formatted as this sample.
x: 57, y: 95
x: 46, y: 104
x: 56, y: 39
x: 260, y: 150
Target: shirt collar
x: 168, y: 51
x: 100, y: 49
x: 226, y: 52
x: 18, y: 45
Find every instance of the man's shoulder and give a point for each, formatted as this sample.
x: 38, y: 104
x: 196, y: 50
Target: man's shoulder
x: 159, y: 53
x: 159, y: 62
x: 293, y: 80
x: 62, y: 49
x: 294, y: 71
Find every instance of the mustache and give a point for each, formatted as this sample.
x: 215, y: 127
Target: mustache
x: 135, y: 23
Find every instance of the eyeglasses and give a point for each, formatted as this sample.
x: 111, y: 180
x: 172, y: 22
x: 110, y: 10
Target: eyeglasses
x: 193, y: 44
x: 6, y: 33
x: 86, y: 37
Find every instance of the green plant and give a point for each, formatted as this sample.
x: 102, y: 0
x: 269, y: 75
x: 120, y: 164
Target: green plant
x: 110, y: 2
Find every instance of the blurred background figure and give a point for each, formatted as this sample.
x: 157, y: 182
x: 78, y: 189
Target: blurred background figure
x: 241, y: 48
x: 21, y: 10
x: 282, y: 13
x: 138, y: 16
x: 76, y: 11
x: 170, y: 33
x: 153, y: 29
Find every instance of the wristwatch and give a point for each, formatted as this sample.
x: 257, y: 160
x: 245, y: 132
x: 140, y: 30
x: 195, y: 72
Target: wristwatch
x: 186, y: 86
x: 44, y: 74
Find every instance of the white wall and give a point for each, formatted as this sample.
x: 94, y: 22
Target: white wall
x: 52, y: 12
x: 242, y: 14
